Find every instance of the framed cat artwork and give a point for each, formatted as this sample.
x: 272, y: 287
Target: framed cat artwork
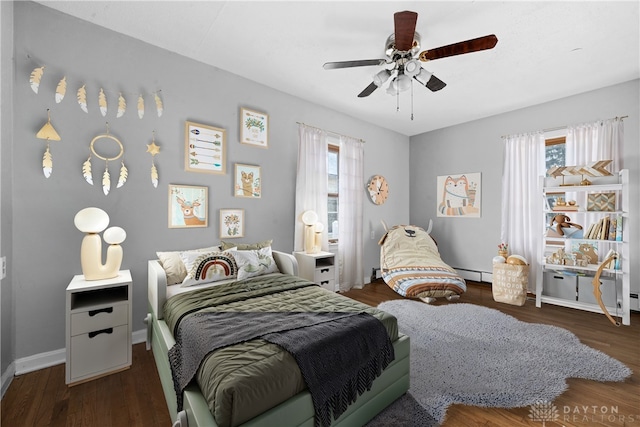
x: 458, y: 195
x: 248, y: 181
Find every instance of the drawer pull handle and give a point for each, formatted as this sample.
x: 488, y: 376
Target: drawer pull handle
x: 103, y: 331
x: 324, y: 270
x: 326, y: 282
x: 101, y: 310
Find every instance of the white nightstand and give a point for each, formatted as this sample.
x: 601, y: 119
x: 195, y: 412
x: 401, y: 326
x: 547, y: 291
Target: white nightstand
x: 319, y: 268
x: 98, y: 330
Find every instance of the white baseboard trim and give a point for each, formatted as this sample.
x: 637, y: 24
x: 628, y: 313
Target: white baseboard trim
x: 51, y: 358
x: 6, y: 378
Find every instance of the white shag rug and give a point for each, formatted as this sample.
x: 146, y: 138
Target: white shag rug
x: 478, y: 356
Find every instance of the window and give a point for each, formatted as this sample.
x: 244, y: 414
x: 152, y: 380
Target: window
x: 333, y: 167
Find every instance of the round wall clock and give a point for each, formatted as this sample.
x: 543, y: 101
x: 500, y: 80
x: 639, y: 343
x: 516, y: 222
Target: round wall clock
x: 378, y: 189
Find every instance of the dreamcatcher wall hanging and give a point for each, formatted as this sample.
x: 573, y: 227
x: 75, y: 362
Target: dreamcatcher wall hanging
x: 106, y: 176
x: 48, y: 133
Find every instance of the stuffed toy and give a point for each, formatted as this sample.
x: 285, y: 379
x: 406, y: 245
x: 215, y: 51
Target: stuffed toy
x: 563, y: 222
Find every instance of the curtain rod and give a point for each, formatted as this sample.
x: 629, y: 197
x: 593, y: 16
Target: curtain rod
x: 561, y: 127
x: 328, y: 131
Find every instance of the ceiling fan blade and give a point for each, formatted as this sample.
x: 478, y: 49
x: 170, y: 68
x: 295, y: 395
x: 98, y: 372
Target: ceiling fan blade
x: 349, y: 64
x: 405, y: 28
x: 434, y: 84
x: 368, y: 90
x: 468, y: 46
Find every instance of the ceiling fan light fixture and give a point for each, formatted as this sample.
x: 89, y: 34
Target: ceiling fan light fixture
x: 381, y: 77
x: 392, y: 89
x: 412, y: 68
x: 403, y: 82
x: 423, y: 76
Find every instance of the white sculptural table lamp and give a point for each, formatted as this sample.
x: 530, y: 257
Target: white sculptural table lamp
x: 92, y: 221
x: 309, y: 218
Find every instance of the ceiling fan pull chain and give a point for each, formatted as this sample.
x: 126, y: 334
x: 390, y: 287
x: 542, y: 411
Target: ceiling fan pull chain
x: 397, y: 99
x: 411, y: 99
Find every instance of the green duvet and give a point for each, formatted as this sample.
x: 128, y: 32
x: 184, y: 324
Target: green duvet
x: 242, y: 381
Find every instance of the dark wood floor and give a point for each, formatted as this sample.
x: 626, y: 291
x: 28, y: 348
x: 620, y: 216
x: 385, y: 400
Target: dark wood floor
x: 134, y: 397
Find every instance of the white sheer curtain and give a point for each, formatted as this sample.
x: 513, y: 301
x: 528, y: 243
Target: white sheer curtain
x: 601, y: 140
x: 351, y: 191
x: 522, y: 201
x: 311, y: 181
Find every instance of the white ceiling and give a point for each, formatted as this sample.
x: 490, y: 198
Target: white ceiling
x: 546, y: 50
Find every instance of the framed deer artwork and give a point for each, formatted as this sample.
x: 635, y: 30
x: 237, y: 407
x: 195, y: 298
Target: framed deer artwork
x: 188, y: 206
x: 248, y: 181
x: 205, y: 148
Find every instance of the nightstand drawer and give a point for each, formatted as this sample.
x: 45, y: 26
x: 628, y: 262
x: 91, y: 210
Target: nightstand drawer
x: 102, y: 318
x: 329, y: 284
x: 324, y: 273
x: 99, y: 351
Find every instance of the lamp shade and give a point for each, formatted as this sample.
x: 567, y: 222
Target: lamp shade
x: 91, y: 220
x: 309, y: 217
x: 412, y: 68
x: 114, y: 235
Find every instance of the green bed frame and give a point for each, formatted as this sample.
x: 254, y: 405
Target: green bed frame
x: 298, y: 410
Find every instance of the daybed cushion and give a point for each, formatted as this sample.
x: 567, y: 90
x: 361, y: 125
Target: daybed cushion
x: 173, y: 265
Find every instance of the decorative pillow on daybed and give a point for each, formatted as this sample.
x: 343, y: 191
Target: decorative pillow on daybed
x: 254, y: 262
x: 207, y: 267
x: 245, y: 246
x: 173, y: 265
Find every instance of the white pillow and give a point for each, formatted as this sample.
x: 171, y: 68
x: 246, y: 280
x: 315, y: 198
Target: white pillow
x: 174, y: 267
x: 254, y: 262
x: 208, y: 267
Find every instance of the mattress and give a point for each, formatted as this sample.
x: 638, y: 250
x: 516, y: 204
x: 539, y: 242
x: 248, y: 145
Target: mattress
x: 242, y: 381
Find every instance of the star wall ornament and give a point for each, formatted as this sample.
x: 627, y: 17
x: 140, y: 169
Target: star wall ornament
x: 153, y: 149
x: 35, y: 77
x: 61, y: 90
x: 48, y: 133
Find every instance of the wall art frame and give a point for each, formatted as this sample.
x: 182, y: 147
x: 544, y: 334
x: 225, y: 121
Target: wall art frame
x: 254, y: 128
x: 188, y: 206
x: 205, y: 148
x: 248, y: 181
x: 459, y: 195
x: 231, y: 223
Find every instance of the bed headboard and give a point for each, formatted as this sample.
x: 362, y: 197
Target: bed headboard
x: 157, y: 279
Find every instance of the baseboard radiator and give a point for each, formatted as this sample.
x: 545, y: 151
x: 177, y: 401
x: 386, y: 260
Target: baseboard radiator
x: 475, y: 275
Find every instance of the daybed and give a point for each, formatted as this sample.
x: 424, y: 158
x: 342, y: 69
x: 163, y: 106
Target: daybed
x: 411, y: 265
x: 294, y: 410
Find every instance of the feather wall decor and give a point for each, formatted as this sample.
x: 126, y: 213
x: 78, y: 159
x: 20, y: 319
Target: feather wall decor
x: 159, y: 105
x: 36, y: 76
x: 48, y: 133
x: 86, y: 171
x: 47, y: 162
x: 102, y: 102
x: 82, y: 98
x: 140, y: 106
x: 124, y: 173
x: 106, y: 180
x: 122, y: 106
x: 61, y: 90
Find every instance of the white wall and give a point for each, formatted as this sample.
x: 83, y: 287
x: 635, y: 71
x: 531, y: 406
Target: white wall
x: 46, y: 247
x: 477, y: 147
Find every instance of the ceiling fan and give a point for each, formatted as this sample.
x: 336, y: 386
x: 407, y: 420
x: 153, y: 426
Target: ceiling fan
x: 401, y: 49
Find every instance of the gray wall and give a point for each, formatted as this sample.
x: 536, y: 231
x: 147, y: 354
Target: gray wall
x: 477, y: 147
x: 46, y: 244
x: 6, y: 90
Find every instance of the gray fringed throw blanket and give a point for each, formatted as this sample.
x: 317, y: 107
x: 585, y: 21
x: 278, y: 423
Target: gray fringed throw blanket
x: 339, y: 354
